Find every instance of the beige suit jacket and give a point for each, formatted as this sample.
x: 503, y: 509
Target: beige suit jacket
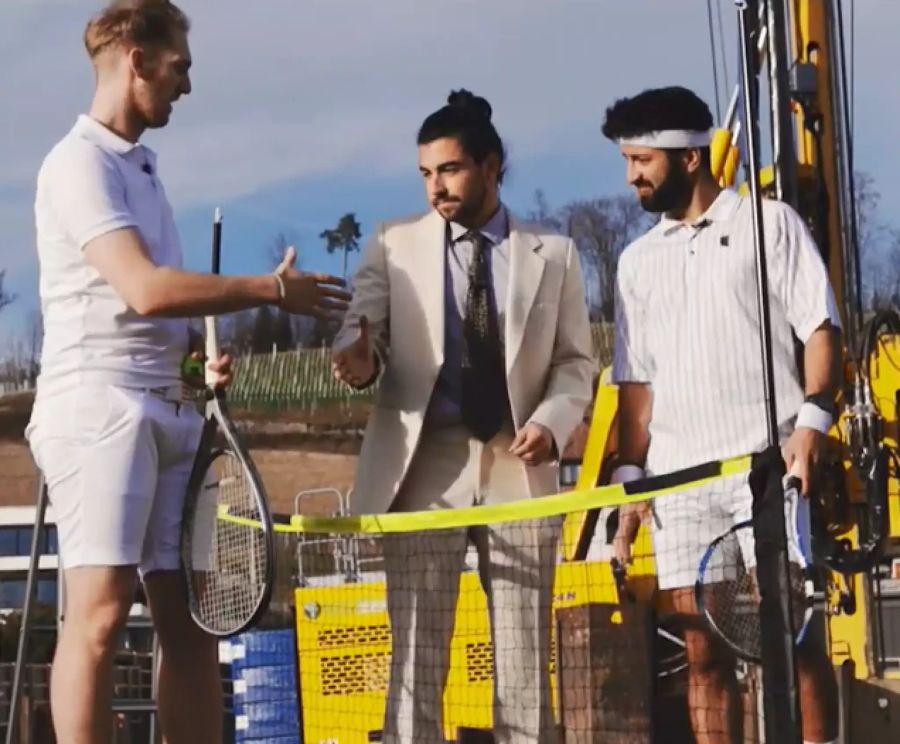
x: 399, y: 287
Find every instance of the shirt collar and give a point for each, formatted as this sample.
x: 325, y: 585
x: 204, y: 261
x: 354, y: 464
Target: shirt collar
x: 495, y: 229
x: 720, y: 210
x: 93, y: 131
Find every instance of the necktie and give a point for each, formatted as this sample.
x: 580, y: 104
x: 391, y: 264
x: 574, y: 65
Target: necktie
x: 484, y: 398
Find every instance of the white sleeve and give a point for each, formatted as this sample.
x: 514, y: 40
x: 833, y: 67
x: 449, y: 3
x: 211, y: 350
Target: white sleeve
x: 631, y: 359
x: 802, y: 279
x: 86, y: 192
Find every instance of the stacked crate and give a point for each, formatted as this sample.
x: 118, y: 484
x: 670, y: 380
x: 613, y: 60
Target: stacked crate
x: 263, y: 671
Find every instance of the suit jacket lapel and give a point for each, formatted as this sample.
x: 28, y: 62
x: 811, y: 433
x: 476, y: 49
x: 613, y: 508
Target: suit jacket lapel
x: 430, y: 258
x: 526, y: 267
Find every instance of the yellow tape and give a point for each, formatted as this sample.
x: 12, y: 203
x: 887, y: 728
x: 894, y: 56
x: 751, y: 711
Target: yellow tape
x: 537, y: 508
x: 470, y: 516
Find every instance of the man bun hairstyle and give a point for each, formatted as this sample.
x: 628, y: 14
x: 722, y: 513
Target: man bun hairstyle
x: 467, y: 118
x: 145, y: 23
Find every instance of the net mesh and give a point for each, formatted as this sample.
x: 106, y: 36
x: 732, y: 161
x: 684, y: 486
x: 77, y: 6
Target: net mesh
x: 498, y: 628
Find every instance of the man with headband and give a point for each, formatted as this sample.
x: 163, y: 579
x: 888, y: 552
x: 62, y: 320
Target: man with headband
x: 687, y: 364
x: 478, y: 327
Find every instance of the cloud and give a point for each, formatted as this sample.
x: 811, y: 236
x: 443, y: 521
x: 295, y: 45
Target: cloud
x: 283, y: 89
x: 286, y: 93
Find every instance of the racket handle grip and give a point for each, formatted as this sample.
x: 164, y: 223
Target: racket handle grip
x: 212, y: 351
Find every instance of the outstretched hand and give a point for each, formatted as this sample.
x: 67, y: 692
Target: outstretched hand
x: 318, y: 295
x: 354, y: 364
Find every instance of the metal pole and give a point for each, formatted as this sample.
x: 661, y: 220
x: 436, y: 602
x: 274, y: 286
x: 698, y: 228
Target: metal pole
x: 780, y: 689
x: 784, y: 150
x: 751, y: 133
x: 27, y: 611
x: 846, y: 179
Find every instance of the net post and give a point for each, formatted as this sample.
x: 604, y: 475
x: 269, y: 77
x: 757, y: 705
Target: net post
x: 781, y: 698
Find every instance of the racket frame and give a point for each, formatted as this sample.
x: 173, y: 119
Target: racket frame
x: 702, y: 607
x: 217, y: 421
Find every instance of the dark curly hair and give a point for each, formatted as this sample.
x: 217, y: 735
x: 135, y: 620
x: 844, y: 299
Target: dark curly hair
x: 654, y: 110
x: 658, y: 109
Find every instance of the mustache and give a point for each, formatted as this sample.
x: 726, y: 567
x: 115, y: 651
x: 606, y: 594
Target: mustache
x: 438, y: 200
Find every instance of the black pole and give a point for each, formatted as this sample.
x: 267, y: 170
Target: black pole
x: 27, y: 611
x: 217, y: 241
x: 751, y: 134
x: 781, y: 700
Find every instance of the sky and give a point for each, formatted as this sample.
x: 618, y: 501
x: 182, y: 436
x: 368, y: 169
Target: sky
x: 302, y: 111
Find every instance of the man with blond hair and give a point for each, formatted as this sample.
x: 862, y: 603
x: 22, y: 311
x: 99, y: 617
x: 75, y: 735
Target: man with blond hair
x: 109, y: 430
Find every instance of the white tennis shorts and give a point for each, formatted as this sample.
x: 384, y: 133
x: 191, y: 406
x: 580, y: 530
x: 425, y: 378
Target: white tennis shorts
x: 686, y: 523
x: 116, y: 462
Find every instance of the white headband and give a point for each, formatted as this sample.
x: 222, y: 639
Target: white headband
x: 669, y: 139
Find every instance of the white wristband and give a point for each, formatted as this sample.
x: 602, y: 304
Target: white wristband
x: 811, y: 416
x: 280, y: 282
x: 626, y: 474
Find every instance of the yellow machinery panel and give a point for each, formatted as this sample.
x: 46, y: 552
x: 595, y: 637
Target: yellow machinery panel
x: 850, y: 636
x: 885, y: 384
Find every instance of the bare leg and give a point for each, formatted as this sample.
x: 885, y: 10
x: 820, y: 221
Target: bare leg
x: 81, y: 682
x: 714, y: 700
x: 818, y: 693
x: 190, y: 688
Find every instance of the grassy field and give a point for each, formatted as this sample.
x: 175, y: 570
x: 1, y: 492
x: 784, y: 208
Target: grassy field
x: 289, y: 392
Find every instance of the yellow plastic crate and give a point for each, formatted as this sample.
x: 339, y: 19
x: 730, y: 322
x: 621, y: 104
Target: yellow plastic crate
x: 344, y: 645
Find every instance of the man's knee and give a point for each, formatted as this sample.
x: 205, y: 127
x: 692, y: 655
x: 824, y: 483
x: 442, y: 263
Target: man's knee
x: 97, y: 604
x: 813, y: 663
x: 176, y: 630
x: 707, y: 657
x: 98, y: 625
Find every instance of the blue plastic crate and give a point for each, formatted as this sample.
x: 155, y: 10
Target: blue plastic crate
x: 292, y: 739
x: 259, y: 649
x: 259, y: 720
x: 264, y: 684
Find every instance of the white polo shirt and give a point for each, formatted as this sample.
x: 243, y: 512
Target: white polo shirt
x: 91, y: 183
x: 687, y: 323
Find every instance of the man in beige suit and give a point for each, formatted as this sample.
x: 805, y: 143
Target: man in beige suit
x: 477, y: 327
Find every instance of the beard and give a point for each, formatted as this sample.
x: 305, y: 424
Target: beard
x: 463, y: 209
x: 672, y: 194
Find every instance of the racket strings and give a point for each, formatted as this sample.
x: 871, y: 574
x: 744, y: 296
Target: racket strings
x: 730, y: 595
x: 230, y: 577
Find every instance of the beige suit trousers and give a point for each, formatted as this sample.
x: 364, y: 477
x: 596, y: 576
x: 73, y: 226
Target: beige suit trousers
x: 516, y: 563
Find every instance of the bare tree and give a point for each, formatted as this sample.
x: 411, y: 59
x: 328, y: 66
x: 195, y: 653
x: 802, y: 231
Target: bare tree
x: 869, y: 231
x: 33, y: 343
x: 879, y: 247
x: 6, y: 297
x: 239, y: 331
x: 885, y: 287
x: 278, y: 245
x: 602, y: 228
x: 542, y: 213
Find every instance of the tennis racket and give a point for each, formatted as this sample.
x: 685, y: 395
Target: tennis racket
x: 726, y: 589
x: 227, y: 545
